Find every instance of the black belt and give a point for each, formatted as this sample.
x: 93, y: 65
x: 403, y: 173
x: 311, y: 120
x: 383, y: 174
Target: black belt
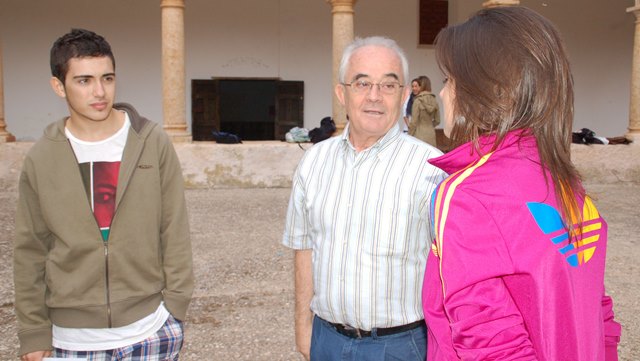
x: 358, y: 333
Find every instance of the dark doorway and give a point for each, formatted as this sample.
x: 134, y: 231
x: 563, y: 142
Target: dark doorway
x: 254, y: 109
x: 248, y: 108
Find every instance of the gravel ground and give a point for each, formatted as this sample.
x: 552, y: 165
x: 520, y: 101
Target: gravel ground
x: 243, y: 302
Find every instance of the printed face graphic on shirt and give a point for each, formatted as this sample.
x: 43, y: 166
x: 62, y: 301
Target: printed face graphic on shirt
x: 101, y: 180
x: 584, y: 246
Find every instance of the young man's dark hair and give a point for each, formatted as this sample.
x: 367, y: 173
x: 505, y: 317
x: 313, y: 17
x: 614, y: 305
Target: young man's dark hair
x: 79, y: 43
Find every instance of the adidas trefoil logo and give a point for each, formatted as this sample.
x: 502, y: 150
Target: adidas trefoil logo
x: 580, y: 251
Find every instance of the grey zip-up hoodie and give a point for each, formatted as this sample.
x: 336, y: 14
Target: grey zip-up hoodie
x: 65, y: 273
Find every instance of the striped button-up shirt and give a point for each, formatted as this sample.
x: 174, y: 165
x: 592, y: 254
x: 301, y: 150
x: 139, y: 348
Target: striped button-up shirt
x: 365, y: 215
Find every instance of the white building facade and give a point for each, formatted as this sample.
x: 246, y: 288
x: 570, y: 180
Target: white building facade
x: 288, y: 40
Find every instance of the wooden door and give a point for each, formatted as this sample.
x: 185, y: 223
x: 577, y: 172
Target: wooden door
x: 205, y: 114
x: 289, y: 107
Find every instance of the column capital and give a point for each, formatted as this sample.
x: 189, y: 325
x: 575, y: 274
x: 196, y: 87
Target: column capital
x: 342, y: 6
x: 172, y: 4
x: 635, y: 9
x: 497, y: 3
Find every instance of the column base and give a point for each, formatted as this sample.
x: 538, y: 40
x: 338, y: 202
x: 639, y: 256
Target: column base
x: 180, y: 137
x: 7, y: 138
x: 634, y: 137
x: 177, y: 132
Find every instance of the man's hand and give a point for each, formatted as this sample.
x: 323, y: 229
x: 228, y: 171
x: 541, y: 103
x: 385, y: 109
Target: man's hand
x: 35, y: 356
x: 304, y: 294
x: 303, y: 334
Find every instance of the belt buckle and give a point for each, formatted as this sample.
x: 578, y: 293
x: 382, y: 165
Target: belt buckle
x: 358, y: 333
x: 353, y: 330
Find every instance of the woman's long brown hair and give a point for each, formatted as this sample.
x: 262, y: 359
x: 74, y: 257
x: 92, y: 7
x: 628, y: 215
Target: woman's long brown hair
x: 511, y: 71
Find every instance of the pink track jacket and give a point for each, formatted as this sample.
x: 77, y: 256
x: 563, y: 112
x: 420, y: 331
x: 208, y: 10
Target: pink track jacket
x: 503, y: 280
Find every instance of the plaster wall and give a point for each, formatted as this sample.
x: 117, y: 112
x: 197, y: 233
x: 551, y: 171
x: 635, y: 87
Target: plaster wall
x: 599, y: 39
x: 288, y: 39
x: 257, y: 164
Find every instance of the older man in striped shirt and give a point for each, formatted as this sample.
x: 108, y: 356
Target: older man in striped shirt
x: 358, y: 220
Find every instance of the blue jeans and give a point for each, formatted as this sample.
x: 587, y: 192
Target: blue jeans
x: 329, y: 345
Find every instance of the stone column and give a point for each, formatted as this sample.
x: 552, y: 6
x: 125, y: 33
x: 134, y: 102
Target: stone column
x: 634, y: 104
x: 5, y: 136
x: 342, y: 13
x: 496, y: 3
x: 173, y: 73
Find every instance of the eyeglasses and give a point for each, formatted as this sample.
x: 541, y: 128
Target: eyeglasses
x: 364, y: 86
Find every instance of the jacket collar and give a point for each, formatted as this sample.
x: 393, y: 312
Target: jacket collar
x: 137, y: 122
x: 424, y: 93
x: 520, y: 140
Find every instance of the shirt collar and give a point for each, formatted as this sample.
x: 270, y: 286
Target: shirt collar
x: 381, y: 144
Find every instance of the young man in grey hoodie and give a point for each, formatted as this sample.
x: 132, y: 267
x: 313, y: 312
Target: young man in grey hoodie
x: 102, y: 255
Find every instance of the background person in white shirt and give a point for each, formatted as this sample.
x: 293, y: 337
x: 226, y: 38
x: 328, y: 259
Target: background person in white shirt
x: 358, y: 220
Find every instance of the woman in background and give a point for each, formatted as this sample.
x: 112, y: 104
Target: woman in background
x: 415, y: 89
x: 425, y: 115
x: 517, y: 266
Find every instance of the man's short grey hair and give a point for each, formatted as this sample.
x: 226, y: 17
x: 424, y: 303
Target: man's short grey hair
x: 373, y: 41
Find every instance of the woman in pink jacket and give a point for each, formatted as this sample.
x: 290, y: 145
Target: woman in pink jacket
x: 517, y: 266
